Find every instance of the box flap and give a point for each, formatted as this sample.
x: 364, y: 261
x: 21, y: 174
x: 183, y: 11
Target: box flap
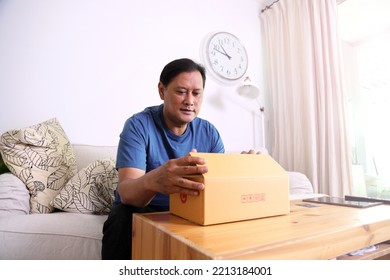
x: 238, y: 165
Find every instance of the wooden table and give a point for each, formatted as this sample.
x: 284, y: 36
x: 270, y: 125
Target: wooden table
x: 322, y: 232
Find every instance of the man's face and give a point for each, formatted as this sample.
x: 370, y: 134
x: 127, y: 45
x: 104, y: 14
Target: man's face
x: 182, y: 100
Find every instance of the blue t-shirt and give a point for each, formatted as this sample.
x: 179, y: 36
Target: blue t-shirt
x: 147, y: 143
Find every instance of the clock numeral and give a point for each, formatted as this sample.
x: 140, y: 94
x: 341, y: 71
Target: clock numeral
x: 223, y: 41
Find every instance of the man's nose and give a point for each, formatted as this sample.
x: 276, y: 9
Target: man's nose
x: 189, y: 99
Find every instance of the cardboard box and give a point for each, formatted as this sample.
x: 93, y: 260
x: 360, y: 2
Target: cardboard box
x: 237, y: 187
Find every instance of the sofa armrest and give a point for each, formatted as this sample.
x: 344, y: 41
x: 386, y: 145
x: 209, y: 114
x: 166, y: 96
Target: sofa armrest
x: 299, y: 183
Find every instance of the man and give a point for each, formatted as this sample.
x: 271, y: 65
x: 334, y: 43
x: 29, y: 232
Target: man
x: 153, y: 153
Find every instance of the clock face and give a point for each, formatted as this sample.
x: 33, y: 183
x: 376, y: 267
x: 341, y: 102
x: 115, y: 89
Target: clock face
x: 226, y: 56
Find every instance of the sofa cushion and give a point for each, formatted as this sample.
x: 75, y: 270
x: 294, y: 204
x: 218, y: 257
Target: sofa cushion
x: 42, y: 157
x: 85, y: 154
x: 58, y: 236
x: 14, y: 196
x: 91, y: 190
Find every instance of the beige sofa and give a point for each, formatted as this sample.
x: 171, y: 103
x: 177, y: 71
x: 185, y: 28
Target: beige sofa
x: 58, y: 235
x: 63, y: 235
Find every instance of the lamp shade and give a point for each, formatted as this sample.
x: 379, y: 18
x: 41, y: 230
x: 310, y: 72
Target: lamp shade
x: 248, y: 89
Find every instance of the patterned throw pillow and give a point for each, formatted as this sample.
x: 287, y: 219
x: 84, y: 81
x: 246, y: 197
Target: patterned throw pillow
x: 42, y: 158
x: 91, y: 190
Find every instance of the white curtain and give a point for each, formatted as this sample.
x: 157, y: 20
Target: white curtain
x: 303, y: 77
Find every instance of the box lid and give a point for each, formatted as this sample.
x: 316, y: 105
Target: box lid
x: 238, y: 165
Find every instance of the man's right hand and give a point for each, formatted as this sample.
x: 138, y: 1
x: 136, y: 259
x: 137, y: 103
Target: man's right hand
x: 171, y: 176
x: 138, y: 188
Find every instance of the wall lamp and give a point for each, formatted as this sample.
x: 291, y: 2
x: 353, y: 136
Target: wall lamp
x: 248, y: 89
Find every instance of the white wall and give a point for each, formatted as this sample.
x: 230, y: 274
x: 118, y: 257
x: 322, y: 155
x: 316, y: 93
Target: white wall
x: 93, y: 63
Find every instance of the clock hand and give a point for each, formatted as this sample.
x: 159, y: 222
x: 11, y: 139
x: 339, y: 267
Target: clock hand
x: 224, y: 53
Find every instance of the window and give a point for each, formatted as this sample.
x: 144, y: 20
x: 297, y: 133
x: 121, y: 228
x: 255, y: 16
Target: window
x: 365, y: 31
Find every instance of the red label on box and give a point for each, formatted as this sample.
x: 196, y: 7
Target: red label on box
x: 183, y: 198
x: 250, y: 198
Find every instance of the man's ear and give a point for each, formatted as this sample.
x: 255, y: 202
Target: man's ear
x: 161, y: 90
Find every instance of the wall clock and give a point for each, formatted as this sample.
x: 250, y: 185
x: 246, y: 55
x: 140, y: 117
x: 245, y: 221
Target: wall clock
x: 226, y: 57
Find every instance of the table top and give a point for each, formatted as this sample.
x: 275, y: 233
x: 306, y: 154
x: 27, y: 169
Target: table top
x: 309, y: 231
